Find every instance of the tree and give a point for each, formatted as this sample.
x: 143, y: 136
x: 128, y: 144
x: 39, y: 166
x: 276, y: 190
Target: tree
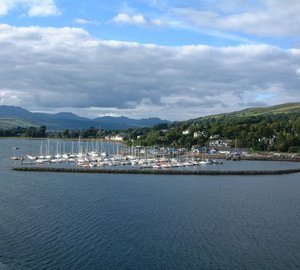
x: 66, y: 133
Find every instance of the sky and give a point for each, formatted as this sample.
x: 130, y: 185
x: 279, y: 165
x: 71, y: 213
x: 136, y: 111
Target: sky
x: 175, y: 60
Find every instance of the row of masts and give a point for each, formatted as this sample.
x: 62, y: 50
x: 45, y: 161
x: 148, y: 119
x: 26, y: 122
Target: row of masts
x: 94, y: 153
x: 79, y: 147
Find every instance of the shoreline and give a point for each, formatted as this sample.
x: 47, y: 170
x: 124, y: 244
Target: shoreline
x: 259, y: 156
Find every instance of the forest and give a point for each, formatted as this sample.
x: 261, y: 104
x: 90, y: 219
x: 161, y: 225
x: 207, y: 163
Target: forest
x: 266, y: 132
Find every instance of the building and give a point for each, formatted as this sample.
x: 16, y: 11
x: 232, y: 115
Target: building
x: 116, y: 137
x: 221, y: 143
x: 185, y: 132
x: 198, y: 134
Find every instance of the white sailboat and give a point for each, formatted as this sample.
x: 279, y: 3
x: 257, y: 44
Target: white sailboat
x: 15, y: 157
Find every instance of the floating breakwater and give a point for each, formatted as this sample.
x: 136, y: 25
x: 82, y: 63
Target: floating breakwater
x: 153, y: 171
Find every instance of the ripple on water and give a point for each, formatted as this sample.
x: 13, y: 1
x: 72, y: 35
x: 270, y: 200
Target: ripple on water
x: 66, y: 221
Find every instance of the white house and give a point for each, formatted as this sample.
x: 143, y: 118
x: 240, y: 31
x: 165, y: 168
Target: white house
x: 116, y: 137
x: 199, y: 134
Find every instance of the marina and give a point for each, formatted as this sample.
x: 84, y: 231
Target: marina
x: 97, y: 154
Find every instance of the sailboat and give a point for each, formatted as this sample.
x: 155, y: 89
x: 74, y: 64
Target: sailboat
x: 14, y: 157
x: 48, y: 155
x: 204, y: 160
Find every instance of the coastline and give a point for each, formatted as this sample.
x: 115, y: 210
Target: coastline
x: 266, y: 156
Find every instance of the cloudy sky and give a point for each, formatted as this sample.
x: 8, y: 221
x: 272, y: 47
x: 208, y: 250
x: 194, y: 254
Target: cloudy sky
x: 175, y: 60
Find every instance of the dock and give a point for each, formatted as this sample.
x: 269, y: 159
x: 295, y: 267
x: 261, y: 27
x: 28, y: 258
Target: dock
x: 153, y: 171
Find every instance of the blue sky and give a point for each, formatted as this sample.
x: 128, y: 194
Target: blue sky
x: 148, y: 21
x: 147, y: 57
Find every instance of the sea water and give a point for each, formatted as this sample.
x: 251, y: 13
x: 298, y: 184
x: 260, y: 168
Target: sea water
x: 94, y: 221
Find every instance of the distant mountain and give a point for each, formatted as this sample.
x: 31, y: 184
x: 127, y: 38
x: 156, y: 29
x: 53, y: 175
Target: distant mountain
x: 12, y: 116
x: 13, y: 111
x: 124, y: 122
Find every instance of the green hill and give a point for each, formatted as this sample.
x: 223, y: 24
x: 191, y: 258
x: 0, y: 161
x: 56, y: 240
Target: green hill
x: 256, y: 111
x: 274, y: 128
x: 9, y: 123
x: 251, y: 112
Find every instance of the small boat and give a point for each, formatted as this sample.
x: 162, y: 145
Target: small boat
x: 31, y: 157
x: 14, y: 157
x: 205, y: 162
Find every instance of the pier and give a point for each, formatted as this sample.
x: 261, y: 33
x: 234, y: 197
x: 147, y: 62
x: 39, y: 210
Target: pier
x: 154, y: 171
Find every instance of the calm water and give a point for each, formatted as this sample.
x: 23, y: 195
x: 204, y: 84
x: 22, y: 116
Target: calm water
x: 73, y: 221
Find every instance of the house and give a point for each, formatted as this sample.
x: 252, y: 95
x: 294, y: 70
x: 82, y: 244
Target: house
x: 198, y: 134
x: 220, y: 143
x: 182, y: 150
x: 185, y: 132
x: 214, y: 137
x: 269, y: 141
x: 213, y: 151
x: 198, y: 150
x: 116, y: 137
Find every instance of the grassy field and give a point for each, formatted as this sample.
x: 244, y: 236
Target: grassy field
x: 256, y: 111
x: 8, y: 123
x: 283, y: 108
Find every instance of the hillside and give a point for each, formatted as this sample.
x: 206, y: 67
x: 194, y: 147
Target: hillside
x: 274, y: 128
x: 256, y: 111
x: 9, y: 123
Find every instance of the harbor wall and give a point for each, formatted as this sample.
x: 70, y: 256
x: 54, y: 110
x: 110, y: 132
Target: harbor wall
x: 154, y: 171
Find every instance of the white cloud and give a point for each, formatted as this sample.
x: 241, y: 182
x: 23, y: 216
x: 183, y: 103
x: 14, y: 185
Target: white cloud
x: 124, y: 18
x: 157, y: 22
x: 5, y: 6
x: 139, y: 19
x: 42, y: 8
x: 34, y: 8
x: 85, y: 22
x: 55, y: 68
x: 10, y: 97
x: 262, y: 18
